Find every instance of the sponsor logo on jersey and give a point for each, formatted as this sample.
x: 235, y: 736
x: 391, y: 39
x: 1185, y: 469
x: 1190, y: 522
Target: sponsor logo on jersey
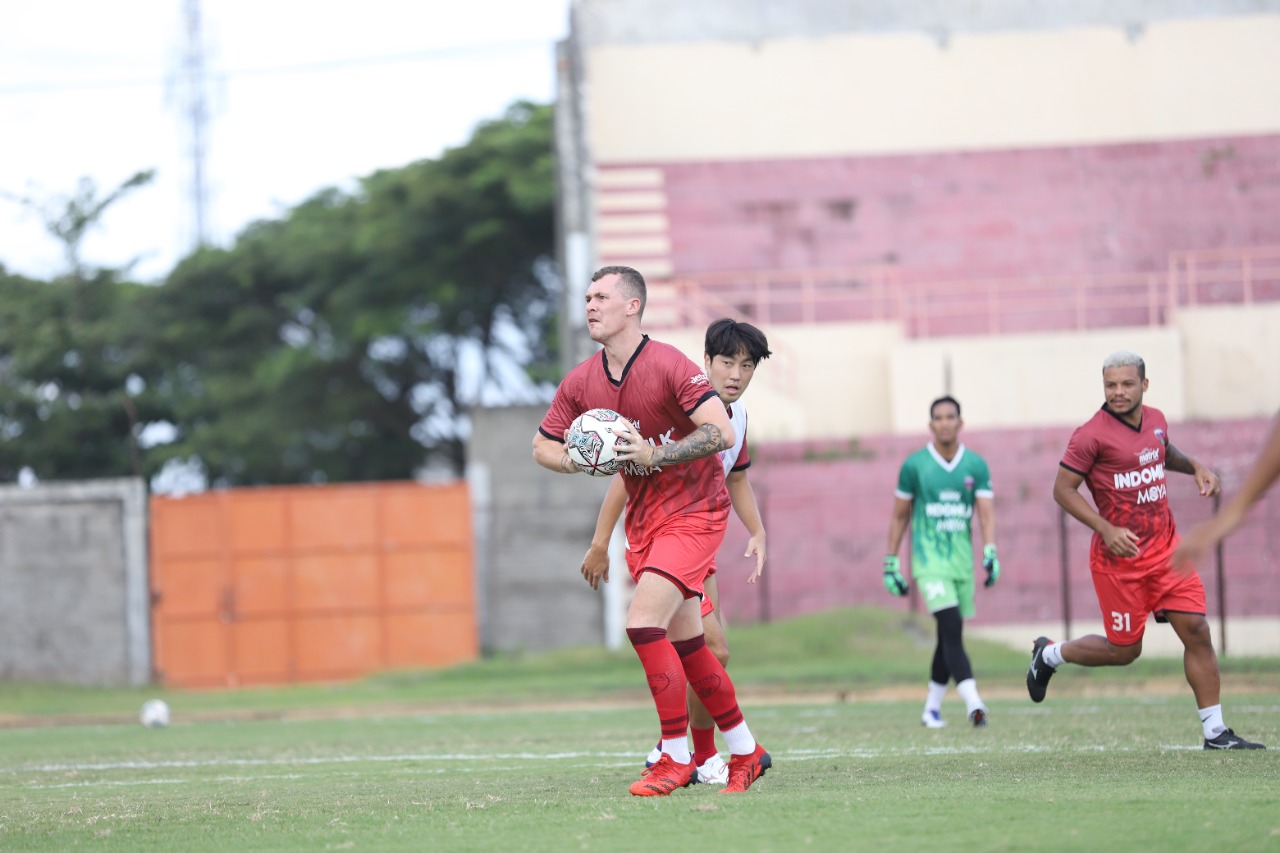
x: 636, y: 470
x: 949, y: 517
x: 1142, y: 477
x: 699, y: 379
x: 1148, y: 455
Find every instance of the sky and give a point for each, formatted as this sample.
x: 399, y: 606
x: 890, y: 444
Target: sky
x: 301, y: 94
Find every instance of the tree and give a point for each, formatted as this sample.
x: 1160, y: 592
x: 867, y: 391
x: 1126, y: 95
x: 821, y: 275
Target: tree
x: 348, y: 340
x: 71, y: 399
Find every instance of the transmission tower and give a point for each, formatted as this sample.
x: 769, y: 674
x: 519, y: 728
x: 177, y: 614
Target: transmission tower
x: 195, y: 112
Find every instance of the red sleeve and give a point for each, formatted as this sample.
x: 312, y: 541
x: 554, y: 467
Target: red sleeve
x: 1082, y: 451
x: 564, y: 408
x: 690, y: 383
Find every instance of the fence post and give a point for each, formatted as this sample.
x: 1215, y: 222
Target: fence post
x: 1064, y: 574
x: 1222, y: 585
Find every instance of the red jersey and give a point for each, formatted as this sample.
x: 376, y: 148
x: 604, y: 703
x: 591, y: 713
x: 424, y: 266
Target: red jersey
x: 1123, y: 466
x: 659, y: 389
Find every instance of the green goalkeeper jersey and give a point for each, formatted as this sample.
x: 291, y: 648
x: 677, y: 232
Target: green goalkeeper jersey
x: 942, y: 496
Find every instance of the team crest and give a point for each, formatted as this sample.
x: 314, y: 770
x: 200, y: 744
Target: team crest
x: 968, y: 483
x: 1160, y: 435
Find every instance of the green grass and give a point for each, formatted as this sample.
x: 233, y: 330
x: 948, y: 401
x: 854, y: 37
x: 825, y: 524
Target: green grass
x: 535, y: 753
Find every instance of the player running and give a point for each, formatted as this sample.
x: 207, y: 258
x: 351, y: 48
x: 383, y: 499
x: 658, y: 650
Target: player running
x: 939, y: 487
x: 1122, y: 453
x: 731, y: 353
x: 676, y: 427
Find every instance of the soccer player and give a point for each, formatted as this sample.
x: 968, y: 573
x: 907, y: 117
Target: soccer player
x: 676, y: 425
x: 1122, y: 453
x: 939, y: 487
x: 1202, y: 537
x: 731, y: 353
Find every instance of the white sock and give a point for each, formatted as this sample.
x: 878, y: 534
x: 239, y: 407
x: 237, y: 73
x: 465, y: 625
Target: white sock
x: 1211, y: 721
x: 677, y: 748
x: 739, y: 739
x: 1052, y: 655
x: 968, y: 690
x: 934, y: 700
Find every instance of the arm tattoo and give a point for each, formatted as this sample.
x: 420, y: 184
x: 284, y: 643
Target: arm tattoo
x: 703, y: 441
x: 1175, y: 460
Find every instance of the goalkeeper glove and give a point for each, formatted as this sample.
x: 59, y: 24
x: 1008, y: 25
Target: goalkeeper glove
x: 893, y: 579
x: 991, y: 563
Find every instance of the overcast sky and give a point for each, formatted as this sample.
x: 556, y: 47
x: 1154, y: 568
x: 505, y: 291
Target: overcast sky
x: 302, y: 95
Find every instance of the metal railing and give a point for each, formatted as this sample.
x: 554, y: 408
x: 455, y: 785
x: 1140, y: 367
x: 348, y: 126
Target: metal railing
x: 1069, y: 302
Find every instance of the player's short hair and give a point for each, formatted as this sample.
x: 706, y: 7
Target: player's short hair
x: 729, y: 337
x: 1125, y: 358
x: 630, y: 280
x: 947, y: 399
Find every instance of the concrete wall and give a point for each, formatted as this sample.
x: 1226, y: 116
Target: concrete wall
x: 532, y: 530
x: 73, y: 568
x: 838, y: 86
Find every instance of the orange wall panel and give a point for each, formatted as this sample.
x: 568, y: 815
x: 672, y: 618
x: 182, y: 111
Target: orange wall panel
x: 186, y: 526
x: 302, y: 583
x: 442, y: 638
x: 337, y: 646
x: 346, y: 518
x: 261, y: 651
x: 336, y: 582
x: 192, y: 587
x: 256, y: 522
x: 261, y: 586
x: 193, y: 653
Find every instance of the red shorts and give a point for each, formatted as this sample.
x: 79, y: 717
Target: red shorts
x: 1146, y: 586
x: 683, y: 551
x: 707, y: 607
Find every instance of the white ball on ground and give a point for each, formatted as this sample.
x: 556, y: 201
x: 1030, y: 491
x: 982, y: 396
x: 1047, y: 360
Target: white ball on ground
x: 154, y: 714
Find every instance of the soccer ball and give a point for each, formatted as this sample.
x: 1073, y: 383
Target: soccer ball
x: 591, y: 441
x: 155, y: 714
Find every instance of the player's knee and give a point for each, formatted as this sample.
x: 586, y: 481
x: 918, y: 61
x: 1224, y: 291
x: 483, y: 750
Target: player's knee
x: 1125, y: 655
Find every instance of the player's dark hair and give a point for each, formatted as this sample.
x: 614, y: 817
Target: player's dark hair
x: 947, y: 399
x: 631, y: 281
x: 729, y: 337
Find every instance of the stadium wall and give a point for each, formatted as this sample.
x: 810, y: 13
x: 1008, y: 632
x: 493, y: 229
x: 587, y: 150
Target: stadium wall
x: 842, y: 381
x: 947, y: 140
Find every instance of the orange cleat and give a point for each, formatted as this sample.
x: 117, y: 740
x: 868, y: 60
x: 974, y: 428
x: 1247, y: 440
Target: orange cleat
x: 745, y: 769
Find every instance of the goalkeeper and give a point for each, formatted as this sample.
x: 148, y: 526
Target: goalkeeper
x: 939, y: 487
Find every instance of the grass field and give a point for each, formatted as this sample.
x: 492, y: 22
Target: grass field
x: 490, y: 758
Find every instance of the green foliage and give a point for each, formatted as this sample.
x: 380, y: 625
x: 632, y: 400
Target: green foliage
x: 343, y: 342
x: 347, y: 341
x: 71, y: 397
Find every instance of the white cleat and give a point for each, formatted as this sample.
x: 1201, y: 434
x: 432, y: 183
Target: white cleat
x: 933, y: 720
x: 713, y: 771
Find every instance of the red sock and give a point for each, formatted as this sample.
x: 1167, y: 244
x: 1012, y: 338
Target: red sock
x: 710, y: 682
x: 666, y: 678
x: 704, y: 744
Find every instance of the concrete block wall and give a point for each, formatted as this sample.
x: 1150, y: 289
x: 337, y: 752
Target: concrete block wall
x: 73, y: 570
